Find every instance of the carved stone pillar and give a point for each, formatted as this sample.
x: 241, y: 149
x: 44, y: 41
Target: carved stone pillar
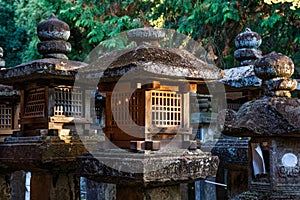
x: 18, y: 187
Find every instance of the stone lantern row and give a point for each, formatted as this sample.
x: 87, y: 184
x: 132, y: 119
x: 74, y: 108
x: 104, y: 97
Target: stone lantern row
x: 146, y: 161
x: 152, y: 159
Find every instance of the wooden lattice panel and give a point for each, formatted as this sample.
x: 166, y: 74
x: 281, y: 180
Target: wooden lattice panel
x: 5, y: 117
x: 68, y: 102
x: 35, y: 105
x: 125, y: 109
x: 166, y: 108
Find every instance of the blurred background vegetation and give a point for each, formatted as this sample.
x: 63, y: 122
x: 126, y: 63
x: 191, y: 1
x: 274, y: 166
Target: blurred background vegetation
x: 213, y: 23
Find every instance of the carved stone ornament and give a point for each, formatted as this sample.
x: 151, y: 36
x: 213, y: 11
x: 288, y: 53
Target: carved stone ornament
x: 54, y: 34
x: 247, y: 43
x: 275, y: 70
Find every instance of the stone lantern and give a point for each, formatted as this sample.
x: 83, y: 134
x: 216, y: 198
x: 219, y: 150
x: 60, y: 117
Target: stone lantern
x: 49, y: 101
x: 147, y: 90
x: 273, y: 123
x: 47, y: 144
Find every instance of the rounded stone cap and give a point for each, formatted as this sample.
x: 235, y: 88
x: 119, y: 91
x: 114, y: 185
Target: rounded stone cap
x: 53, y: 29
x: 145, y: 35
x: 274, y: 65
x: 247, y: 54
x: 55, y: 46
x: 248, y: 39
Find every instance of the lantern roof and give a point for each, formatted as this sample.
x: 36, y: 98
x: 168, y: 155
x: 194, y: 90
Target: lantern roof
x: 43, y: 69
x: 153, y: 61
x: 241, y: 77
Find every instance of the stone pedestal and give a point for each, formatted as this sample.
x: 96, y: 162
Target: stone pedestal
x: 18, y: 187
x: 155, y: 175
x: 51, y: 163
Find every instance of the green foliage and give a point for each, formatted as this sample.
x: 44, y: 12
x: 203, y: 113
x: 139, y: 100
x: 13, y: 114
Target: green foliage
x: 213, y: 23
x: 12, y: 37
x: 216, y: 23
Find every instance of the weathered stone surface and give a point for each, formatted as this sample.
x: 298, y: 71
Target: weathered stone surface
x: 52, y: 47
x: 142, y: 169
x: 40, y: 155
x: 241, y: 77
x: 53, y: 34
x: 275, y: 70
x: 49, y: 68
x: 247, y: 44
x: 248, y: 39
x: 274, y: 65
x: 282, y: 178
x: 18, y: 187
x: 247, y: 54
x: 269, y: 116
x: 153, y: 61
x: 53, y: 29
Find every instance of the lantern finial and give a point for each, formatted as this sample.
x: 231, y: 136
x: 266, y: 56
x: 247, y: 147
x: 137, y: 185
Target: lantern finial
x: 54, y: 34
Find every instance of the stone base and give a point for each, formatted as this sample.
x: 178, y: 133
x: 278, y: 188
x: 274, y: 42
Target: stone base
x: 154, y: 169
x: 264, y: 196
x: 18, y: 187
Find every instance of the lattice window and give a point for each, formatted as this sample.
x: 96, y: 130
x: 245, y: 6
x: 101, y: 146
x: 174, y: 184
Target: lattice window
x: 5, y: 117
x: 125, y: 108
x: 166, y: 108
x: 35, y: 105
x: 68, y: 102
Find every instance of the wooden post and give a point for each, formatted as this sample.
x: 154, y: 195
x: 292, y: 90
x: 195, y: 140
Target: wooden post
x: 186, y: 110
x: 22, y: 107
x: 148, y: 115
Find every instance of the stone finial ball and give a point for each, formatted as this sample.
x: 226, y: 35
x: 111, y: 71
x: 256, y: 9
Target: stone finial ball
x: 247, y: 39
x: 53, y: 29
x: 274, y: 65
